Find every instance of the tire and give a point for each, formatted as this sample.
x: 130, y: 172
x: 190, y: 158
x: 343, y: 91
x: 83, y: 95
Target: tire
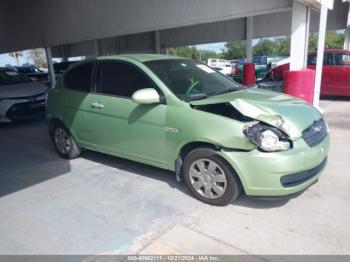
x: 219, y: 187
x: 64, y: 143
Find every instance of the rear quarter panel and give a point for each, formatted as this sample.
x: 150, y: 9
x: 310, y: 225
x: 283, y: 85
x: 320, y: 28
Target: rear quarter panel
x: 68, y: 106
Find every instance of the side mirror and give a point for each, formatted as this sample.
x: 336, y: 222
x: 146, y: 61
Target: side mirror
x: 146, y: 96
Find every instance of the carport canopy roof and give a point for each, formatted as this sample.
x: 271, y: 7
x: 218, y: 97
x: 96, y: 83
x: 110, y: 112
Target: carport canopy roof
x: 46, y: 23
x: 43, y: 23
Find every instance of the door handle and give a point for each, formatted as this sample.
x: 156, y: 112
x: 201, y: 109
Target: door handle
x: 97, y: 105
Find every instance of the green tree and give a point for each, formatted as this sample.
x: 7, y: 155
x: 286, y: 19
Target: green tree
x: 278, y: 46
x: 234, y: 50
x: 38, y: 57
x: 333, y: 40
x: 282, y: 46
x: 16, y: 56
x: 265, y: 46
x: 185, y: 51
x: 312, y: 42
x: 204, y: 55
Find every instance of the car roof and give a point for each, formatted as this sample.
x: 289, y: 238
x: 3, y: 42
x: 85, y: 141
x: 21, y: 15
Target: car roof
x: 332, y: 51
x: 142, y: 57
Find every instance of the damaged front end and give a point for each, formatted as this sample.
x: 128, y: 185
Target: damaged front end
x: 272, y: 121
x: 286, y: 113
x: 267, y: 138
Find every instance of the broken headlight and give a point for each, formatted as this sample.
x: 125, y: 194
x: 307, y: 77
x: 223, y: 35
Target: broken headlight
x: 267, y: 138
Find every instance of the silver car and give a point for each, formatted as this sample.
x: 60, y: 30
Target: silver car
x: 20, y: 97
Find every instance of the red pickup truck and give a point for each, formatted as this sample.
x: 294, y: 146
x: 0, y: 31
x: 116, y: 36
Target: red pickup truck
x: 335, y: 74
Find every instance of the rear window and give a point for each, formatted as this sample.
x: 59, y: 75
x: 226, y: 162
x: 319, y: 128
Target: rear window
x: 80, y: 77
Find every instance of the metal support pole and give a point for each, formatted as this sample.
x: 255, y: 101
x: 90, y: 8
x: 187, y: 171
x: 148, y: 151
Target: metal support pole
x: 299, y: 36
x: 64, y: 53
x: 320, y: 51
x: 307, y: 31
x: 249, y: 39
x: 347, y: 39
x: 156, y: 42
x: 51, y: 70
x: 347, y: 31
x: 97, y: 47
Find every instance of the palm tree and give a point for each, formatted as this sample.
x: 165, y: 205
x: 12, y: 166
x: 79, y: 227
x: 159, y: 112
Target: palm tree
x: 16, y: 55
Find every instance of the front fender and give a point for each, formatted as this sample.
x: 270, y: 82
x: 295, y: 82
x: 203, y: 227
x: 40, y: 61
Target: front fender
x: 193, y: 125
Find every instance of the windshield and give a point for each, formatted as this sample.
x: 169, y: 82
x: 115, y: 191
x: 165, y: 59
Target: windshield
x: 8, y: 77
x: 190, y: 80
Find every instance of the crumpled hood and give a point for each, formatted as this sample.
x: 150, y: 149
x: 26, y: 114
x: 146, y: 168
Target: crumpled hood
x: 22, y: 90
x: 289, y: 114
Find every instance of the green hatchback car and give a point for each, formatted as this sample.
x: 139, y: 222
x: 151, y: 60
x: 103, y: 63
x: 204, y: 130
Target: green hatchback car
x: 181, y: 115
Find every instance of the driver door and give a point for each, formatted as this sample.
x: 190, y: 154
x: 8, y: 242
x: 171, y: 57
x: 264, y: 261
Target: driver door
x: 119, y: 125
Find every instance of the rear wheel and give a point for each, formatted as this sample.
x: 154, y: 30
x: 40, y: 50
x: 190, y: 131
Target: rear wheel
x: 209, y: 178
x: 64, y: 143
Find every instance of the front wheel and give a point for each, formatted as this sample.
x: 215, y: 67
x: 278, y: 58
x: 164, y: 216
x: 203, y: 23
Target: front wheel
x: 64, y: 143
x: 209, y: 178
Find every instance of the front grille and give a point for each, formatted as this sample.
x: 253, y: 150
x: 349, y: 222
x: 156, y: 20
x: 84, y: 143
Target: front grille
x: 315, y: 134
x: 24, y: 109
x: 300, y: 177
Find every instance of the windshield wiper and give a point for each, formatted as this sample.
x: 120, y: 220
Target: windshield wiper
x: 195, y: 97
x: 223, y: 92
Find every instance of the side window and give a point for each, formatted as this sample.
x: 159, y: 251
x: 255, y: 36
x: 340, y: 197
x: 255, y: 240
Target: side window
x: 311, y: 60
x: 80, y: 77
x: 342, y: 59
x: 121, y: 79
x: 327, y: 59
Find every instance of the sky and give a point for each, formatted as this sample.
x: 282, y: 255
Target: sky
x: 217, y: 47
x: 6, y: 59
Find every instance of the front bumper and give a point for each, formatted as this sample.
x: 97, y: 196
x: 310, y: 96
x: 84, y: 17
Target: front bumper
x: 279, y: 173
x: 11, y: 110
